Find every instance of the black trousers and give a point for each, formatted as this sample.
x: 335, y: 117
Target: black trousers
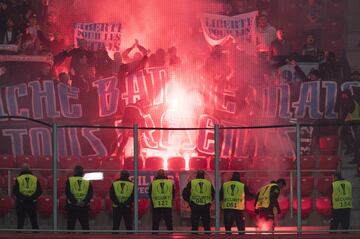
x: 231, y: 216
x: 340, y: 216
x: 118, y: 214
x: 162, y: 213
x: 198, y: 212
x: 77, y: 213
x: 22, y: 211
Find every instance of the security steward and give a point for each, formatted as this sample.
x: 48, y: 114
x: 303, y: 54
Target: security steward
x: 341, y: 202
x: 162, y: 193
x: 78, y: 193
x: 199, y: 193
x: 27, y: 189
x: 232, y: 195
x: 122, y: 197
x: 266, y: 201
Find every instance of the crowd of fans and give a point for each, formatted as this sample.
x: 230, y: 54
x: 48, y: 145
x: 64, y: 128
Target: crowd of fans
x: 35, y: 30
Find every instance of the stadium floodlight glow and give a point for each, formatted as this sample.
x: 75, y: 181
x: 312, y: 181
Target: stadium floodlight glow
x: 93, y: 176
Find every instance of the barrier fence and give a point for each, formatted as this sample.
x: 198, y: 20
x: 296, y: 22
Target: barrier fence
x: 294, y: 174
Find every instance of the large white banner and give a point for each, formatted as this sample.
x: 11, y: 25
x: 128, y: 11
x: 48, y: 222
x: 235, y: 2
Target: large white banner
x: 99, y: 36
x: 218, y: 29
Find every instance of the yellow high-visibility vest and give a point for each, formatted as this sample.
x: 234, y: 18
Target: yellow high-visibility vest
x: 342, y: 194
x: 264, y: 196
x: 123, y: 190
x: 79, y: 187
x: 200, y: 191
x: 27, y: 184
x: 355, y: 115
x: 234, y: 195
x: 162, y: 193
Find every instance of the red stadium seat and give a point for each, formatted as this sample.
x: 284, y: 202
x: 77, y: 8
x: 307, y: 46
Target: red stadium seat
x: 67, y: 162
x: 285, y: 163
x: 329, y: 145
x: 250, y: 208
x: 90, y: 162
x: 95, y: 207
x: 176, y: 163
x: 154, y: 163
x: 26, y: 159
x: 45, y: 164
x: 7, y: 161
x: 101, y: 187
x: 62, y: 204
x: 6, y: 182
x: 42, y: 180
x: 284, y: 206
x: 223, y: 163
x: 263, y: 162
x: 334, y: 28
x: 240, y: 163
x: 143, y: 207
x: 256, y: 183
x: 307, y: 185
x: 197, y: 163
x: 111, y: 163
x: 129, y: 163
x: 336, y: 8
x: 306, y: 207
x: 108, y: 205
x: 61, y: 181
x: 307, y: 163
x: 323, y: 207
x: 324, y: 185
x: 329, y: 162
x: 6, y: 205
x: 45, y: 206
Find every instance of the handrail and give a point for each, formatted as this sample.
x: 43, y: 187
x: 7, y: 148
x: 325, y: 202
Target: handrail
x: 26, y: 118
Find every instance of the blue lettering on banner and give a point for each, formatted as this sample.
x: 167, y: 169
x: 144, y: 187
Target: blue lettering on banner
x: 12, y: 92
x: 74, y: 142
x: 66, y: 93
x: 309, y: 100
x: 96, y: 144
x: 17, y: 140
x: 108, y: 95
x: 242, y: 143
x: 40, y: 141
x: 330, y: 99
x: 46, y: 95
x: 284, y: 104
x: 206, y: 139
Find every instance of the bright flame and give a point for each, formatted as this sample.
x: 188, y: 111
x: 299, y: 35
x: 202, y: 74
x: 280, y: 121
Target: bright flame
x: 264, y: 225
x: 93, y: 176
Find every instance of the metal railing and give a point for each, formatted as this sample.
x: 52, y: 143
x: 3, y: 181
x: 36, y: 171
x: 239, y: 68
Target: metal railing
x: 216, y: 129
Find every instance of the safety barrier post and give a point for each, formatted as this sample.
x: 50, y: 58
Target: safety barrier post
x: 298, y: 176
x: 136, y: 196
x: 54, y: 174
x: 217, y: 180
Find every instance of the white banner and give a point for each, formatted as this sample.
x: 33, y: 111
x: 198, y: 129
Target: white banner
x: 218, y: 29
x: 9, y: 47
x: 288, y: 74
x: 99, y: 36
